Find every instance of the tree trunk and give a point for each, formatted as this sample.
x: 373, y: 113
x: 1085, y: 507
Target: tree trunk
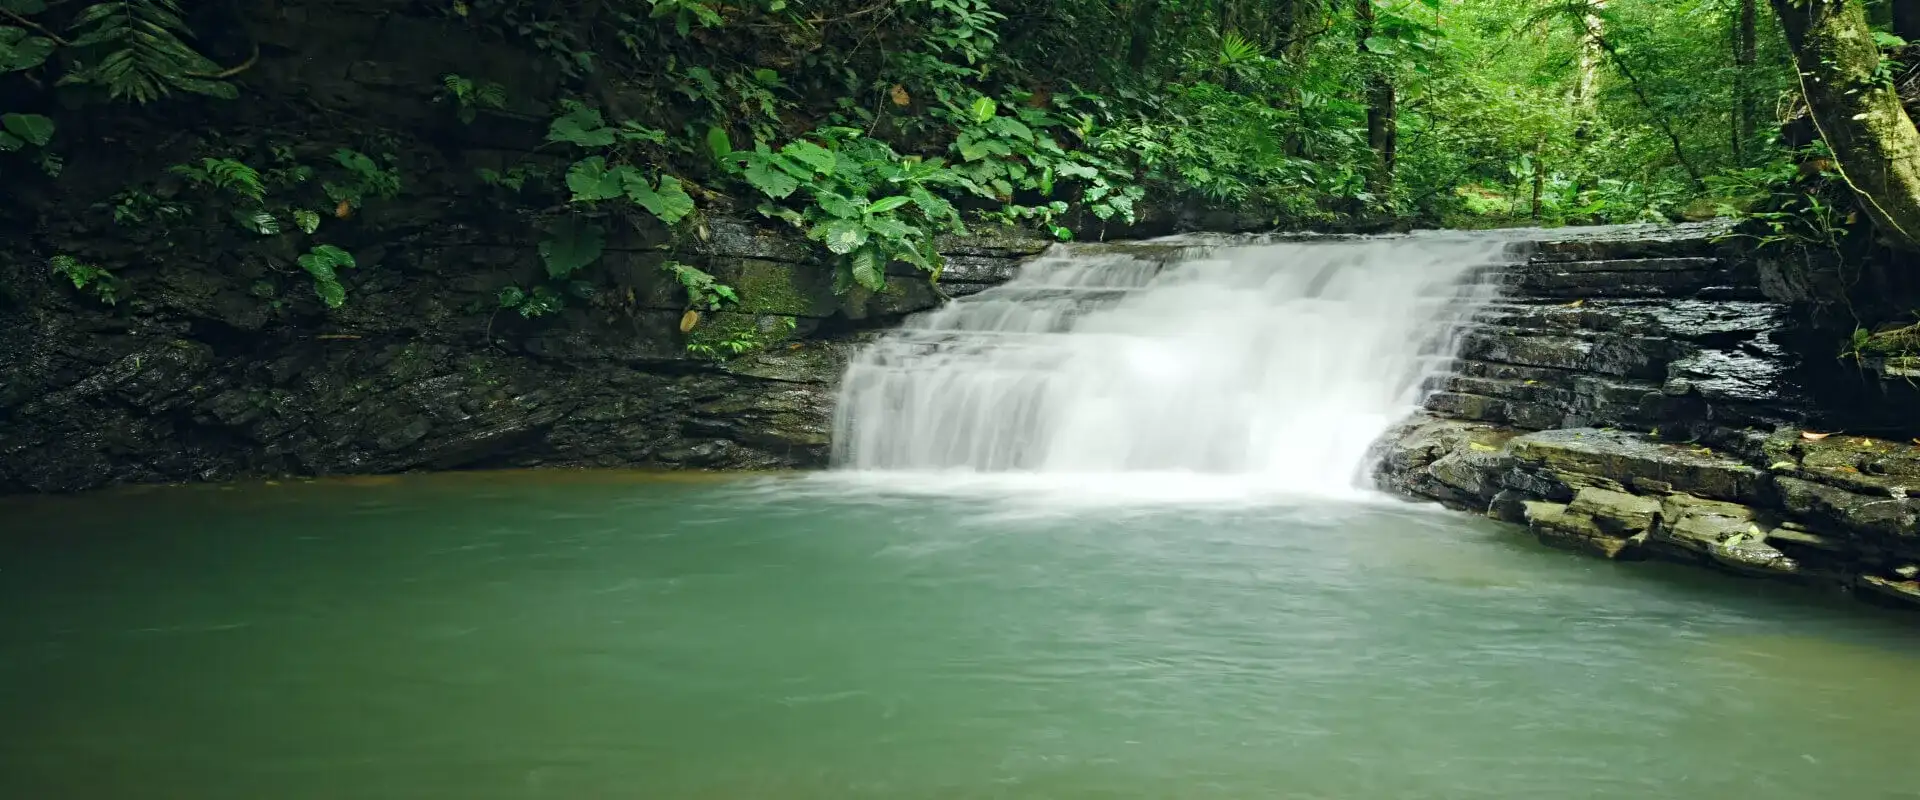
x: 1873, y: 140
x: 1539, y: 182
x: 1383, y: 129
x: 1586, y: 88
x: 1140, y: 39
x: 1745, y: 45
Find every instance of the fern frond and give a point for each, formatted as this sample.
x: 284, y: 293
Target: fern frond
x: 142, y: 51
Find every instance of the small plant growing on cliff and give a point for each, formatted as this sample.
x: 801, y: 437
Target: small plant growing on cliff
x: 324, y: 263
x: 538, y: 302
x: 614, y: 175
x: 365, y: 178
x: 836, y: 181
x: 469, y: 98
x: 704, y: 292
x: 87, y: 278
x: 224, y: 174
x: 741, y: 342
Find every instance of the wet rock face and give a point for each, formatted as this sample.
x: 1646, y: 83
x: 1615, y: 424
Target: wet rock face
x: 171, y: 387
x: 1645, y: 399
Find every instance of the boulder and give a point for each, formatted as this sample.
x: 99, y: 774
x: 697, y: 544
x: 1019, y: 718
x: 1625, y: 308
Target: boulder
x: 1558, y: 525
x: 1577, y: 456
x: 1617, y: 513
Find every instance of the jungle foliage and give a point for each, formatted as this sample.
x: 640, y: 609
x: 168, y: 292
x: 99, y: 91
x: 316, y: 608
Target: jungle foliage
x: 872, y: 126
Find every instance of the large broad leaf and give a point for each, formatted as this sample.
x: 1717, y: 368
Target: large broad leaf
x: 669, y: 202
x: 813, y: 155
x: 842, y: 236
x: 331, y: 292
x: 1010, y: 128
x: 886, y: 204
x: 718, y: 144
x: 931, y: 205
x: 770, y: 180
x: 10, y: 142
x: 984, y: 108
x: 891, y: 228
x: 582, y: 126
x: 572, y: 244
x: 19, y: 50
x: 591, y: 180
x: 869, y: 269
x: 838, y: 205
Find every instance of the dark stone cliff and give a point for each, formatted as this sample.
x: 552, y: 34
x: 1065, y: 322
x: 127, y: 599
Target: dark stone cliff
x: 1654, y: 393
x: 219, y: 361
x: 193, y: 380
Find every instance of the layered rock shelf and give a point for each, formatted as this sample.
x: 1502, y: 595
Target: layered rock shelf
x: 193, y: 381
x: 1645, y: 396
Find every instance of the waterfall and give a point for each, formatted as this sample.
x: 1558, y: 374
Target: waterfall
x: 1276, y: 362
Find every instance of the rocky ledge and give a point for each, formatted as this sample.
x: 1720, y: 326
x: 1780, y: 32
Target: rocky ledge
x: 196, y: 380
x: 1643, y: 396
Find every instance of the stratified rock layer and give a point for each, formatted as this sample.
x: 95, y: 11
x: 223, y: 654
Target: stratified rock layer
x: 1646, y: 399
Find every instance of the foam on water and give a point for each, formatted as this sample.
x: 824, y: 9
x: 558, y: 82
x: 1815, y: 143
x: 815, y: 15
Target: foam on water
x: 1166, y: 370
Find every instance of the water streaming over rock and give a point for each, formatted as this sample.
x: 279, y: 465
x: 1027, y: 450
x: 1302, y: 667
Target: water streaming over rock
x: 1279, y: 362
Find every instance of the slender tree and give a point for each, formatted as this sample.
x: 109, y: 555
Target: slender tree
x: 1382, y: 110
x: 1745, y: 55
x: 1858, y: 111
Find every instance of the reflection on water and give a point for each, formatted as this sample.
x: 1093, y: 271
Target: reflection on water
x: 618, y: 634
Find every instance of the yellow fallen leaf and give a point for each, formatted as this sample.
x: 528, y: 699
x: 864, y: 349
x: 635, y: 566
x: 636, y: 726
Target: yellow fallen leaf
x: 1481, y: 448
x: 1778, y: 465
x: 899, y: 95
x: 688, y: 320
x: 344, y: 210
x: 1530, y: 383
x: 1813, y: 437
x: 1577, y: 303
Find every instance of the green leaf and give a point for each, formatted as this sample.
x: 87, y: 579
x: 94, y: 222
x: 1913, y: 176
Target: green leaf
x: 20, y: 51
x: 512, y: 296
x: 813, y: 155
x: 885, y: 204
x: 591, y: 180
x: 1010, y: 128
x: 1382, y: 46
x: 891, y: 228
x: 10, y: 143
x: 971, y: 149
x: 869, y: 269
x: 307, y: 221
x: 669, y: 202
x: 581, y: 126
x: 331, y: 292
x: 984, y: 108
x: 24, y: 7
x: 837, y: 205
x: 31, y: 128
x: 932, y: 206
x: 718, y: 144
x: 842, y: 236
x: 771, y: 182
x: 572, y: 244
x: 259, y: 222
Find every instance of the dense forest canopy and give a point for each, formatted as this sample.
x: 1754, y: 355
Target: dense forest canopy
x: 872, y: 125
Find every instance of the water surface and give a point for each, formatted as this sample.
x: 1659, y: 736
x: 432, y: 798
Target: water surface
x: 610, y: 635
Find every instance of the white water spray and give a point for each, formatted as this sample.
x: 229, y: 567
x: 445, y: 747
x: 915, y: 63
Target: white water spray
x: 1276, y: 364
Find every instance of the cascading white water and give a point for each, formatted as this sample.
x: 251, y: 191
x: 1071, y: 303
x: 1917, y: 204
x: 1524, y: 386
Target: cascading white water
x: 1279, y: 363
